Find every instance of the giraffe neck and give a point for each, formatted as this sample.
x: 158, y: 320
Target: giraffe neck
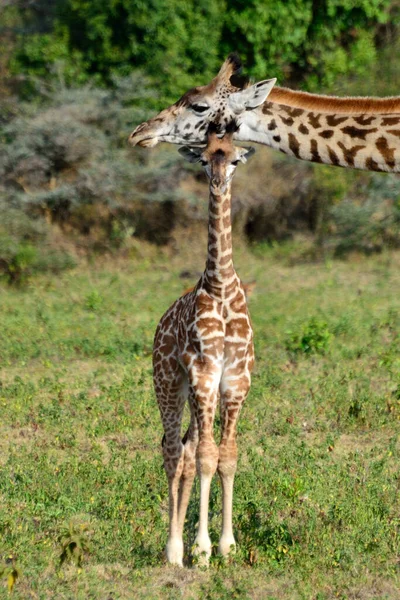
x: 360, y: 141
x: 334, y: 104
x: 219, y: 266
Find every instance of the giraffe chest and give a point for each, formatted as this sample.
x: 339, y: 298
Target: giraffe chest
x: 219, y: 333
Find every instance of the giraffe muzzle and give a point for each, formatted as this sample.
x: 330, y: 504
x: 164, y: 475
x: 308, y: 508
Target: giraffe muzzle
x: 218, y: 186
x: 143, y: 136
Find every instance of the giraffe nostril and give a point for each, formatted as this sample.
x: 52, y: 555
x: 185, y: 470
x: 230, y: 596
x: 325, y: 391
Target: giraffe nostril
x: 139, y: 128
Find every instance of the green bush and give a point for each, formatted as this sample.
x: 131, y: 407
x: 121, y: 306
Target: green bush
x: 25, y: 248
x: 174, y: 43
x: 312, y: 337
x: 370, y: 223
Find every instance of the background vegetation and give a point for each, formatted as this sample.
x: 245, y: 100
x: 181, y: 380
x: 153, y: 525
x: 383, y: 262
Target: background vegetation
x: 96, y: 239
x: 77, y: 76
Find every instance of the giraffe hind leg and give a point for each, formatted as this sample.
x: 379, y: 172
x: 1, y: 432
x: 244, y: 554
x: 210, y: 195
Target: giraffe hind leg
x: 171, y: 396
x: 190, y: 441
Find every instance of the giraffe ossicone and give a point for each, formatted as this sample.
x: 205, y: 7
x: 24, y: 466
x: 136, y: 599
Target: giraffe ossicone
x: 203, y: 353
x: 360, y: 133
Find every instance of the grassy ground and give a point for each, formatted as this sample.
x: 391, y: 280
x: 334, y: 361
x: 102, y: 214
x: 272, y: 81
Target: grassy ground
x: 316, y: 508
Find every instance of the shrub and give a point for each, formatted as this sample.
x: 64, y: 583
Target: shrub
x: 25, y: 248
x: 312, y: 337
x: 370, y: 224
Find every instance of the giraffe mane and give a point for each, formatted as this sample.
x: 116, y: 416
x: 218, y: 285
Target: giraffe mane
x: 335, y: 104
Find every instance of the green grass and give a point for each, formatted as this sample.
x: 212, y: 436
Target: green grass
x: 316, y: 506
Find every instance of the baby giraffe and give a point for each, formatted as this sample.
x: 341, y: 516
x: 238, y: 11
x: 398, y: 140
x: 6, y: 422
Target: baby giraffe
x: 203, y: 351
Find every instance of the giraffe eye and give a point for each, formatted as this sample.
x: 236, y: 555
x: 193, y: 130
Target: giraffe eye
x: 235, y: 162
x: 203, y: 162
x: 200, y: 108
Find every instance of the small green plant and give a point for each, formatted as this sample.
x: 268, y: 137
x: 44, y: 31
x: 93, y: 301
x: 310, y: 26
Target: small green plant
x: 10, y: 571
x: 313, y: 337
x: 94, y: 301
x: 74, y: 544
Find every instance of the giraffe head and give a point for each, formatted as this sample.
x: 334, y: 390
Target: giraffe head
x: 220, y: 157
x: 228, y: 96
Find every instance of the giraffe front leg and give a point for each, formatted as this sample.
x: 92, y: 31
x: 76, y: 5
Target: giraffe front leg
x: 173, y: 463
x: 190, y: 442
x: 205, y: 400
x: 207, y: 461
x: 231, y: 403
x: 226, y: 470
x: 171, y: 395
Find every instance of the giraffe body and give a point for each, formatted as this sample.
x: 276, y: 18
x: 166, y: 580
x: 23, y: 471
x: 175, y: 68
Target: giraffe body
x: 360, y: 133
x: 203, y: 353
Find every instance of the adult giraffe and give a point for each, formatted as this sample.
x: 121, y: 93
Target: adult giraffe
x: 361, y: 133
x: 203, y: 351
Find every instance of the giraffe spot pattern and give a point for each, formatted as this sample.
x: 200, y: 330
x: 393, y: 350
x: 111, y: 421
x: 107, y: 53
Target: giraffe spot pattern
x: 356, y: 132
x: 294, y: 145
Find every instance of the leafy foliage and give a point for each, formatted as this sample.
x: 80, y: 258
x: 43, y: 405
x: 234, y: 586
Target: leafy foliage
x: 11, y: 572
x: 370, y: 224
x: 74, y: 544
x: 312, y: 337
x: 174, y: 42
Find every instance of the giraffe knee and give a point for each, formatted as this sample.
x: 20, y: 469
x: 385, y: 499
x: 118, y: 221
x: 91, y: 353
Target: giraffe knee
x: 189, y: 467
x: 207, y: 458
x: 227, y: 459
x: 173, y: 459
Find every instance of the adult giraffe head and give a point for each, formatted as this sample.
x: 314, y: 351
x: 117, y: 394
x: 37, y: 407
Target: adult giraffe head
x: 227, y: 97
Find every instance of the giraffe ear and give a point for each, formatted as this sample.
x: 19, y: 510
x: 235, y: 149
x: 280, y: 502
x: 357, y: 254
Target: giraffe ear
x: 251, y: 97
x: 190, y: 154
x: 246, y: 154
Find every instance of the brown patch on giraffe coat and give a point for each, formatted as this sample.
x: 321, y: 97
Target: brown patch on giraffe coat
x: 333, y: 120
x: 333, y: 157
x: 226, y: 221
x: 326, y: 134
x: 287, y: 120
x: 215, y: 223
x: 371, y: 165
x: 266, y: 109
x: 272, y: 125
x: 356, y: 132
x: 294, y: 145
x: 226, y: 205
x: 364, y: 119
x: 208, y: 325
x: 229, y: 289
x: 395, y: 132
x: 303, y: 129
x: 293, y: 112
x: 387, y: 153
x: 225, y: 260
x: 225, y: 241
x: 349, y: 153
x: 237, y: 326
x: 277, y: 138
x: 315, y: 156
x: 391, y: 121
x: 314, y: 119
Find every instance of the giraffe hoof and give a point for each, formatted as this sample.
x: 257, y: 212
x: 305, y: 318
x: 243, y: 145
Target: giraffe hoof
x: 174, y: 552
x: 227, y: 546
x: 202, y: 552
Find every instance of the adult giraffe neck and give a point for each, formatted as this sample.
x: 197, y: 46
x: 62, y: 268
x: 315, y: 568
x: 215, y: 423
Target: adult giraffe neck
x: 359, y: 141
x: 334, y: 104
x: 219, y: 266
